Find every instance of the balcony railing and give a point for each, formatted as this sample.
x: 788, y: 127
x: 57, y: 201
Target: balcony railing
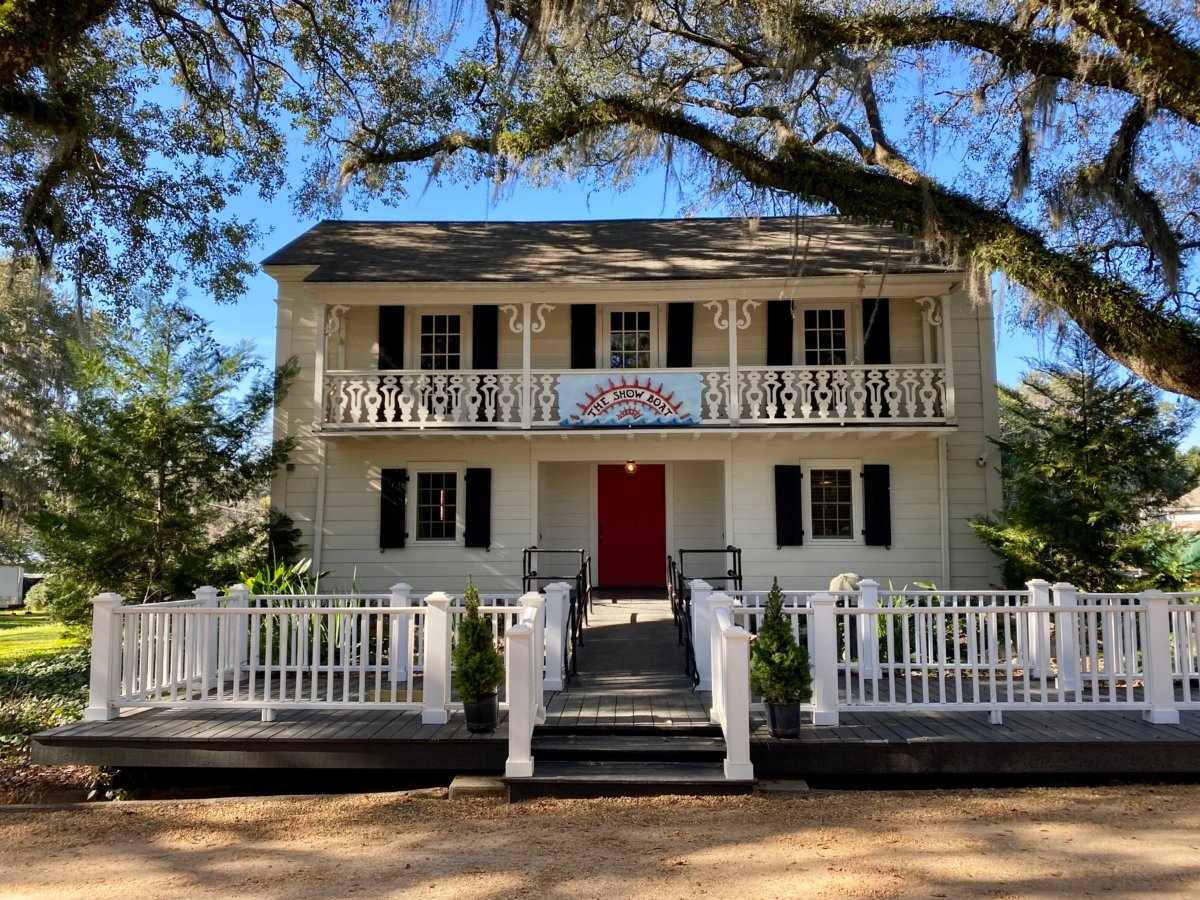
x: 758, y: 396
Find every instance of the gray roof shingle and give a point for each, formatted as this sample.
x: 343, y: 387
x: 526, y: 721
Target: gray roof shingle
x: 599, y: 251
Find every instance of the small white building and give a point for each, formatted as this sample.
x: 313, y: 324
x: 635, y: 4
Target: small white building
x: 1184, y: 513
x: 812, y: 391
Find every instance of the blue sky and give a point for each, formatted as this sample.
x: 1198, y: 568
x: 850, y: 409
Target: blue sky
x: 253, y: 316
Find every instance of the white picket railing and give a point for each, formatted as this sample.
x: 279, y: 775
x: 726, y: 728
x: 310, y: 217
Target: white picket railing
x: 388, y: 399
x: 291, y: 651
x: 1050, y: 647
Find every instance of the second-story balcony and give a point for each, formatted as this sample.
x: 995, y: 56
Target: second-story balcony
x: 542, y: 400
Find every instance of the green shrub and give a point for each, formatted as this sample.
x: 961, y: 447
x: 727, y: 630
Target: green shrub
x: 478, y: 665
x: 779, y: 670
x: 37, y: 598
x: 40, y: 692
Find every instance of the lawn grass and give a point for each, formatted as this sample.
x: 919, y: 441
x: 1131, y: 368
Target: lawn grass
x: 24, y: 634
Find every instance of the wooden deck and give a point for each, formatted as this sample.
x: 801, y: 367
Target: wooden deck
x: 630, y: 684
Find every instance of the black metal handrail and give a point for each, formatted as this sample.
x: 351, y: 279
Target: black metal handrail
x: 679, y: 588
x: 542, y: 566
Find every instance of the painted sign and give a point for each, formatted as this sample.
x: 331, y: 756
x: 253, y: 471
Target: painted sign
x: 630, y: 398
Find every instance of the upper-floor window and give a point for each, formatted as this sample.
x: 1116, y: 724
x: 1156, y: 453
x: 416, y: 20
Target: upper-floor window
x: 630, y: 339
x: 826, y: 337
x: 441, y: 341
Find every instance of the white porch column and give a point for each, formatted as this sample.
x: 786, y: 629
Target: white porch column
x: 437, y: 660
x: 868, y: 629
x: 534, y: 605
x: 1037, y: 641
x: 106, y: 665
x: 1156, y: 661
x: 823, y: 628
x: 702, y: 632
x: 400, y: 632
x: 558, y: 598
x: 1066, y: 636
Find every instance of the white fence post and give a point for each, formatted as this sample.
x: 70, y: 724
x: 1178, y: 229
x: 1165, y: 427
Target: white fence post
x: 1156, y: 661
x: 399, y: 633
x: 237, y: 632
x: 733, y: 689
x: 1066, y: 637
x: 207, y: 597
x: 1038, y: 628
x: 533, y: 607
x: 106, y: 665
x: 701, y: 632
x: 717, y: 664
x: 558, y: 597
x: 436, y: 681
x: 519, y: 650
x: 868, y: 629
x: 823, y: 629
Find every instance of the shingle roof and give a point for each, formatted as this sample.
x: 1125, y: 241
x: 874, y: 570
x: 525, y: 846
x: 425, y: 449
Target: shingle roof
x: 599, y: 251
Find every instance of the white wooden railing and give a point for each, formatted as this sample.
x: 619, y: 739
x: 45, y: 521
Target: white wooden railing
x: 524, y: 654
x: 760, y: 395
x: 268, y: 653
x: 1049, y: 647
x: 731, y: 689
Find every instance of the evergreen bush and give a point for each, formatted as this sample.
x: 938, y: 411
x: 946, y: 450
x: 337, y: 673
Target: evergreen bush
x: 779, y: 670
x: 478, y: 665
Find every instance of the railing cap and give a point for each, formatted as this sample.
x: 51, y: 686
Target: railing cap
x: 108, y: 599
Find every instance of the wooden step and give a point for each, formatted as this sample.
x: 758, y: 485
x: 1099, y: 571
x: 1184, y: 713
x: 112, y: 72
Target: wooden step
x: 623, y: 778
x: 629, y: 748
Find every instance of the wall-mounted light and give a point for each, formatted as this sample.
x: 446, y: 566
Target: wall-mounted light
x: 630, y: 467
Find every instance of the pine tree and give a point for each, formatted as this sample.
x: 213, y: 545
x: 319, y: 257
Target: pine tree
x: 478, y: 666
x: 156, y: 443
x: 1089, y: 460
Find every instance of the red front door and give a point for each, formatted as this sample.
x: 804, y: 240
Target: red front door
x: 633, y: 526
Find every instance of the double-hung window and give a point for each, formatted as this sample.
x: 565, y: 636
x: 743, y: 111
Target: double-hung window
x: 440, y: 342
x: 826, y: 336
x: 631, y: 339
x: 437, y: 506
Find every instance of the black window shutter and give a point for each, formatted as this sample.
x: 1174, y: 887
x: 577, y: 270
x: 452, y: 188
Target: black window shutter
x: 391, y: 337
x: 877, y: 340
x: 779, y: 333
x: 484, y: 336
x: 393, y: 485
x: 877, y: 505
x: 583, y: 336
x: 679, y: 335
x: 478, y: 531
x: 789, y: 506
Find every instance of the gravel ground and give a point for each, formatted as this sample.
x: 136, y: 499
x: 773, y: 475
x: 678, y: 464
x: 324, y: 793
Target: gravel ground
x: 1122, y: 841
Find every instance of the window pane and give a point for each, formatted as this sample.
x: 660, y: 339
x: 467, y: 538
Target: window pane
x: 441, y: 342
x: 629, y: 340
x: 437, y: 505
x: 825, y: 340
x: 832, y: 503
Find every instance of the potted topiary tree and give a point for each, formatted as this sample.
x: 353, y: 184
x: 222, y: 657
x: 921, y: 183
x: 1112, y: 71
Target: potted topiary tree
x: 779, y: 671
x: 478, y: 667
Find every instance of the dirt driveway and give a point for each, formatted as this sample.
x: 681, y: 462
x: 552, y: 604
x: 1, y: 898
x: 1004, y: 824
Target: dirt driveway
x: 1127, y: 841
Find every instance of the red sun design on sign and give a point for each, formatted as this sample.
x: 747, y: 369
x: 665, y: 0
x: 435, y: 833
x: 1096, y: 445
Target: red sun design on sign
x: 630, y: 399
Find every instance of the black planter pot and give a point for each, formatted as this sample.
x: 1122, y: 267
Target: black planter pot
x: 783, y: 719
x: 482, y: 715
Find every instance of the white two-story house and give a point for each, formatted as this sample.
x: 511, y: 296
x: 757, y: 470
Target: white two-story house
x: 812, y: 391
